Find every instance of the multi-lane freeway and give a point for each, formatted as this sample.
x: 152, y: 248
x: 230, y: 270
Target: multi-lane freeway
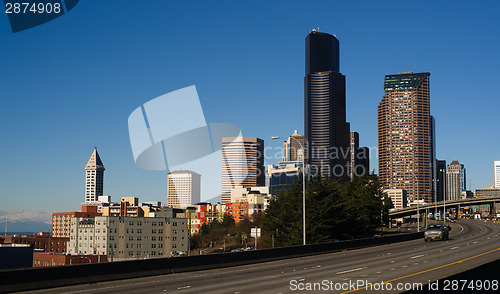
x: 401, y: 265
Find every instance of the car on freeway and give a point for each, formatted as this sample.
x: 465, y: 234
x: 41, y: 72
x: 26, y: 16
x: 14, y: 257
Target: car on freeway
x: 436, y: 231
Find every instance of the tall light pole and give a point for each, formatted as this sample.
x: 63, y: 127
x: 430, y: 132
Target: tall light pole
x: 303, y: 187
x: 418, y: 211
x: 444, y: 198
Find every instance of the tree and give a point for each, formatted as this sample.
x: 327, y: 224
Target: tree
x: 334, y: 210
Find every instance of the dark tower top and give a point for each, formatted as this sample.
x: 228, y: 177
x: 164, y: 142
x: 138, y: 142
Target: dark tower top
x: 322, y: 53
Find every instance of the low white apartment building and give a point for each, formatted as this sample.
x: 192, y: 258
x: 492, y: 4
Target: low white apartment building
x: 122, y: 238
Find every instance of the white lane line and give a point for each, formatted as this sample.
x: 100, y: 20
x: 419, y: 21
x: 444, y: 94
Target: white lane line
x: 417, y: 256
x: 474, y: 242
x: 378, y: 272
x: 185, y: 287
x: 453, y: 248
x: 351, y: 270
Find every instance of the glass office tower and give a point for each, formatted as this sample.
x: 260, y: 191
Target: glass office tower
x: 326, y: 130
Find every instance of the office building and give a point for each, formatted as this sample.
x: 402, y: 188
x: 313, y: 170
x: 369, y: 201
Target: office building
x: 325, y: 126
x: 122, y: 238
x: 94, y: 177
x: 404, y: 135
x: 496, y: 166
x: 292, y: 148
x: 283, y: 178
x: 45, y: 259
x: 488, y: 191
x: 242, y: 164
x: 359, y: 160
x: 240, y: 193
x: 440, y: 179
x: 41, y: 241
x: 183, y: 188
x: 455, y: 180
x: 398, y: 197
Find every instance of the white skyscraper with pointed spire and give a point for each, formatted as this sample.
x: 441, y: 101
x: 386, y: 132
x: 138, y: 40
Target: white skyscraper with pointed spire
x: 94, y: 175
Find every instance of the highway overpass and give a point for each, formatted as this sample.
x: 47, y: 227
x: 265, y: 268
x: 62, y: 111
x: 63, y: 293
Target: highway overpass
x: 493, y: 202
x: 405, y: 264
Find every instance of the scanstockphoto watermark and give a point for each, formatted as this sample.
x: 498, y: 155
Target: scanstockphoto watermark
x: 353, y: 285
x: 328, y: 160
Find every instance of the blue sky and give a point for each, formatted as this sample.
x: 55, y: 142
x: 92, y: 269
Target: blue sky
x: 70, y: 84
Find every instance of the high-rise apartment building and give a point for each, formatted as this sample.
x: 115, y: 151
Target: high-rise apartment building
x: 94, y: 176
x: 496, y: 165
x: 325, y: 126
x: 455, y: 180
x: 242, y: 164
x: 183, y: 188
x: 434, y: 191
x: 404, y: 135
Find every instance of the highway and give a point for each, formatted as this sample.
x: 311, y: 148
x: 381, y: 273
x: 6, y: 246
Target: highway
x: 472, y: 243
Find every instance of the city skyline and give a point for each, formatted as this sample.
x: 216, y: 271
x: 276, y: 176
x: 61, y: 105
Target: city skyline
x: 50, y: 94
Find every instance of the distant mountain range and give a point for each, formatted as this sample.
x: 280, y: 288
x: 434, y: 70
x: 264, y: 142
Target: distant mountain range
x: 23, y: 226
x: 213, y: 200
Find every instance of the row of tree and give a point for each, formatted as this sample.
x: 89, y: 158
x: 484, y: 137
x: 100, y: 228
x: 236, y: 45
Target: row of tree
x: 334, y: 210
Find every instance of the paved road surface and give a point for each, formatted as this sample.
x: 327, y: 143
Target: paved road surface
x: 472, y: 243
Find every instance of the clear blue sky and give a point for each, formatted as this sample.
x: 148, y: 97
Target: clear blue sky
x: 70, y: 84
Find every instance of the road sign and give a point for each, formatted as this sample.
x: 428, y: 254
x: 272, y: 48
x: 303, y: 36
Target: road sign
x: 255, y: 232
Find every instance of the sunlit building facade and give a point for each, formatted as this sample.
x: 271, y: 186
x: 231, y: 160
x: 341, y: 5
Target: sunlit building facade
x: 404, y: 135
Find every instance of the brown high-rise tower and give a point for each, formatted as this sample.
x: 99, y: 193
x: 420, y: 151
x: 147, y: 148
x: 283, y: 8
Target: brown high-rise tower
x: 404, y: 135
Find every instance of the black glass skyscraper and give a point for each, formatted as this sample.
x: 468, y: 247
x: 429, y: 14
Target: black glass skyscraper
x: 326, y: 130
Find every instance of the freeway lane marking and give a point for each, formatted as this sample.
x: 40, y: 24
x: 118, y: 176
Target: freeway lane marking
x: 351, y: 270
x: 185, y: 287
x: 429, y: 270
x: 452, y: 248
x: 417, y: 256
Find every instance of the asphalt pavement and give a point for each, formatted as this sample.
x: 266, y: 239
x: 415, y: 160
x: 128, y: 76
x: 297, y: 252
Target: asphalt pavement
x: 401, y: 266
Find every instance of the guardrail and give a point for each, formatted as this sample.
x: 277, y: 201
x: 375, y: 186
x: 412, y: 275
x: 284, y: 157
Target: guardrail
x: 57, y: 276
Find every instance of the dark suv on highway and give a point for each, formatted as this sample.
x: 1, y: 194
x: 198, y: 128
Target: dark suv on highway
x: 439, y: 231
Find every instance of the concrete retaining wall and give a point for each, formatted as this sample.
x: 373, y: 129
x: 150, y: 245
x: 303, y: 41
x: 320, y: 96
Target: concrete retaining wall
x: 50, y: 277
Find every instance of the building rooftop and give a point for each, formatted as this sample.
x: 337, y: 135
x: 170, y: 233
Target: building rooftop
x: 404, y: 81
x: 95, y: 160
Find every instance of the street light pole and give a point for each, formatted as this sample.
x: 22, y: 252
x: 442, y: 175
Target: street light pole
x: 303, y: 188
x: 418, y: 211
x: 444, y: 198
